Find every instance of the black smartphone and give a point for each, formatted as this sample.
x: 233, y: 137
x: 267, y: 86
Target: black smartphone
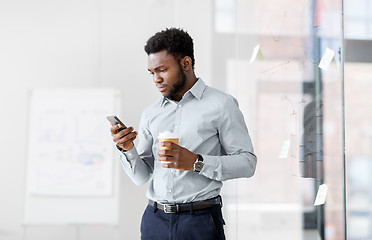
x: 115, y: 120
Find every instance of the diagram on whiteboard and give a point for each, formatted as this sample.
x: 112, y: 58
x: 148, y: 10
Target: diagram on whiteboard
x: 70, y: 148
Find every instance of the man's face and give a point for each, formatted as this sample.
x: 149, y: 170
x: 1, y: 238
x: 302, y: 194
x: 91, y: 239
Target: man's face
x: 167, y: 74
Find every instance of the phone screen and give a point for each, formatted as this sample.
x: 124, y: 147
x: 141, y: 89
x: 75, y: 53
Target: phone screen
x: 114, y: 120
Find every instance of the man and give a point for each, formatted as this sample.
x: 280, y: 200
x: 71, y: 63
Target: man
x: 214, y: 145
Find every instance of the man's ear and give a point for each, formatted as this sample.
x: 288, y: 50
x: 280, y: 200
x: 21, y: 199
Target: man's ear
x: 186, y: 63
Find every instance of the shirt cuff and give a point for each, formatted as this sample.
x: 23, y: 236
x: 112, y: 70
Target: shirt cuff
x: 211, y: 167
x: 128, y: 156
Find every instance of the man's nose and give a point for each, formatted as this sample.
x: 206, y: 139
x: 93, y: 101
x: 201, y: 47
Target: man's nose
x: 157, y: 78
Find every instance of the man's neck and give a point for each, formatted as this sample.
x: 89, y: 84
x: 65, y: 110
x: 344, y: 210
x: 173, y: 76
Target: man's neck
x: 190, y: 81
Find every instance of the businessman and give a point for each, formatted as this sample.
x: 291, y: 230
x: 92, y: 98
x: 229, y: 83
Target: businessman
x: 214, y: 146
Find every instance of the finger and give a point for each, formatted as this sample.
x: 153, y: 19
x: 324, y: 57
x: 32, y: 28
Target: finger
x: 169, y: 144
x: 168, y: 165
x: 166, y: 159
x: 122, y: 133
x: 127, y: 145
x: 119, y: 129
x: 127, y: 138
x: 165, y: 152
x: 125, y: 131
x: 114, y: 129
x: 165, y: 165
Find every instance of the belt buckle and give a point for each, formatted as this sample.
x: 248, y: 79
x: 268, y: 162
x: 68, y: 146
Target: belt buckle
x: 168, y: 208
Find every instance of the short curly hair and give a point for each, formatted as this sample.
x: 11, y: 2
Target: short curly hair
x: 176, y: 41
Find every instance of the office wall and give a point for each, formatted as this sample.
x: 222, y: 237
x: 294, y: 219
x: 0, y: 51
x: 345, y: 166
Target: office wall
x: 82, y: 44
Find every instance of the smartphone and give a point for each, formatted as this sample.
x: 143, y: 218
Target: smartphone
x: 115, y: 120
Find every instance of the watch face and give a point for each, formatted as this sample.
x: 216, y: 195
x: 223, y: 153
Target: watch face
x: 198, y: 166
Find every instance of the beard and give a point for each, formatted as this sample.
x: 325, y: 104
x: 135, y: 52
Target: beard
x: 180, y: 83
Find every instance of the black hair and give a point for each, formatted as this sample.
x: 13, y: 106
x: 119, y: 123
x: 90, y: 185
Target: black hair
x: 175, y: 41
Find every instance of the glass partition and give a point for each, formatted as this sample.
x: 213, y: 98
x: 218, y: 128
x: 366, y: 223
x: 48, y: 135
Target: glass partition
x: 283, y: 61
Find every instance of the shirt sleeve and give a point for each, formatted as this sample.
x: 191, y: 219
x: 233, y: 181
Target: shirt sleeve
x: 138, y: 162
x: 239, y: 159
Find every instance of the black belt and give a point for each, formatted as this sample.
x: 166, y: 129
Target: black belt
x: 185, y: 207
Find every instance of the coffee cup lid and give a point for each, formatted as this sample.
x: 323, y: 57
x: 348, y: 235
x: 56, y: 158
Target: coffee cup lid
x: 168, y: 134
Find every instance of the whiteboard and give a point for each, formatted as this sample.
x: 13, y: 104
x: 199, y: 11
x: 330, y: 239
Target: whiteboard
x: 72, y: 175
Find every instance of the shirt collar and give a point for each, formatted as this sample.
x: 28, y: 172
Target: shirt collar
x: 196, y: 90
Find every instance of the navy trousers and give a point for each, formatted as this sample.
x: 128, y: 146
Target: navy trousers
x: 206, y: 224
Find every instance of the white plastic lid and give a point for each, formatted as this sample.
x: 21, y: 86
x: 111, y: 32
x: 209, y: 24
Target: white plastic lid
x: 168, y: 134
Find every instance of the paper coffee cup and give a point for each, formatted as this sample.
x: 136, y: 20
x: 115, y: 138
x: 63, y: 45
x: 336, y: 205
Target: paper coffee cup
x: 167, y: 137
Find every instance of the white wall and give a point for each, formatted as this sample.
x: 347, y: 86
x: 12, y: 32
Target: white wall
x: 82, y: 44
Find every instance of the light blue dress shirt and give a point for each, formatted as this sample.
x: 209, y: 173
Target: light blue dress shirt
x: 209, y: 123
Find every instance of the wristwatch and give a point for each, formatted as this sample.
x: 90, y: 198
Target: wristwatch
x: 199, y: 164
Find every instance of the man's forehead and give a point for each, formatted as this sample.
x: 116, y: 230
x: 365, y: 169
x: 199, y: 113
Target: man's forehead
x: 160, y: 54
x: 159, y: 58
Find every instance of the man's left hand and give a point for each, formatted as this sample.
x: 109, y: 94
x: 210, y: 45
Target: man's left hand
x: 176, y: 157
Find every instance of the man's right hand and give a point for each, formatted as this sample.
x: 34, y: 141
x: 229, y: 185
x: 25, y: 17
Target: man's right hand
x: 124, y: 138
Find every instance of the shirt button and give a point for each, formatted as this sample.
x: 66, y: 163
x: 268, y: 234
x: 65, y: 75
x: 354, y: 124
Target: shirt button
x: 179, y: 106
x: 170, y: 190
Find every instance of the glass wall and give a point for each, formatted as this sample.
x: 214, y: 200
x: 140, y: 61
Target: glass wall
x: 283, y: 61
